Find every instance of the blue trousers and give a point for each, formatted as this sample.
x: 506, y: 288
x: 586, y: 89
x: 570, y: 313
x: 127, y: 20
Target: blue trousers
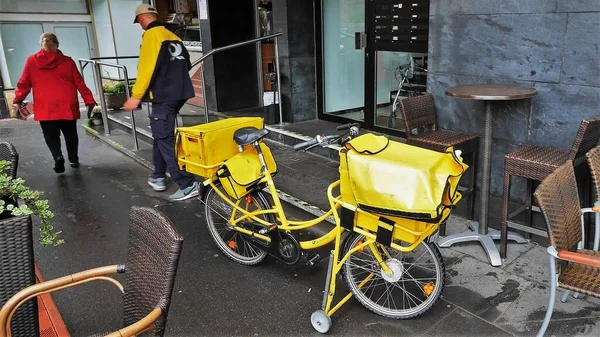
x: 162, y: 123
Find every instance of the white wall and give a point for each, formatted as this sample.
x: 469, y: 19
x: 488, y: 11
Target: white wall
x: 128, y: 36
x: 116, y: 34
x: 45, y: 6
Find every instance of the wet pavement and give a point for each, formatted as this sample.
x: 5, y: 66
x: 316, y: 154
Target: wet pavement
x: 214, y: 296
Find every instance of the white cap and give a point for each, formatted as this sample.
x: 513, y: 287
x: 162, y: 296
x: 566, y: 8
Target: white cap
x: 144, y: 9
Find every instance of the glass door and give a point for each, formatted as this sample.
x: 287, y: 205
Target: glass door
x: 17, y: 41
x: 343, y: 66
x: 398, y: 75
x: 76, y: 42
x: 373, y: 55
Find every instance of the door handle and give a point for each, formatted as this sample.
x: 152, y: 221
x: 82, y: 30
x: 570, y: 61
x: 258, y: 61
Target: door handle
x: 360, y: 40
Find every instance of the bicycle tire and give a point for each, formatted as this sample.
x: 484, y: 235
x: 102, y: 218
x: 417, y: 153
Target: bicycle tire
x: 414, y: 289
x: 249, y: 255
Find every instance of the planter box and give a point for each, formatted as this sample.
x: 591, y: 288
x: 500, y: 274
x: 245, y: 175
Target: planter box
x: 114, y: 101
x: 18, y: 271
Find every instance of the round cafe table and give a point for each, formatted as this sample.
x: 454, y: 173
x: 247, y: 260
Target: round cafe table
x: 479, y: 230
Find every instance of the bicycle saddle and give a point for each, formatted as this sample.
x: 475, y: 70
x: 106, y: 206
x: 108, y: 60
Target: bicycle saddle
x: 249, y: 135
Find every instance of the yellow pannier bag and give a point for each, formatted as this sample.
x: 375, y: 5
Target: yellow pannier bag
x: 240, y: 174
x: 201, y: 149
x: 399, y: 180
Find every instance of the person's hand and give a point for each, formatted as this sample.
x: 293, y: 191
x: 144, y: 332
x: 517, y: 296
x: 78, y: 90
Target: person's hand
x: 131, y: 104
x: 14, y: 112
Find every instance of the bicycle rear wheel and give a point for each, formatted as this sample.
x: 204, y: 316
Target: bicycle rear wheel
x: 415, y: 284
x: 231, y: 242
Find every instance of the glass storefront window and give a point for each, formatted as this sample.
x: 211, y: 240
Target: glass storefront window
x: 46, y: 6
x: 19, y: 40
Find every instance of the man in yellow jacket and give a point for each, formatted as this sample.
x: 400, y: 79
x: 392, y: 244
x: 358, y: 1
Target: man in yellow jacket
x: 163, y: 80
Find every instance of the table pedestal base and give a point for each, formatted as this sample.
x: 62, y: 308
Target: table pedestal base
x: 486, y: 240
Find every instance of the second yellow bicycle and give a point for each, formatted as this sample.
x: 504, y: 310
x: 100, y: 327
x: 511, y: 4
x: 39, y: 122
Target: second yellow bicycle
x: 391, y: 197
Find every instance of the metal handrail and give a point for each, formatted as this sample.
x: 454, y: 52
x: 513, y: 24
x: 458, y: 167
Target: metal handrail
x: 109, y: 58
x: 97, y: 63
x: 239, y: 44
x: 235, y: 45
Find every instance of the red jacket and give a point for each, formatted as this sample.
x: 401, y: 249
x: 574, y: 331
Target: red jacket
x: 55, y: 81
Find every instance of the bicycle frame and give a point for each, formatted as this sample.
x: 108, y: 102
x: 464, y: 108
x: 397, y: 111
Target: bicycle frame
x: 339, y: 255
x: 277, y: 210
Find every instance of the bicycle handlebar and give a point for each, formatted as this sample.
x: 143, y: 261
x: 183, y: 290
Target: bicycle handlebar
x: 306, y: 144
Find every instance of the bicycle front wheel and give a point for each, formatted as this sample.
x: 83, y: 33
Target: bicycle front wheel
x: 413, y: 286
x: 231, y: 242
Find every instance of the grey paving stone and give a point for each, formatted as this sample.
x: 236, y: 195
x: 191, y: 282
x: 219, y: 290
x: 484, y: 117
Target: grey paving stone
x: 454, y: 7
x: 578, y: 6
x: 474, y: 249
x: 481, y: 289
x: 416, y: 326
x: 582, y: 327
x: 463, y: 324
x: 533, y: 265
x: 573, y: 318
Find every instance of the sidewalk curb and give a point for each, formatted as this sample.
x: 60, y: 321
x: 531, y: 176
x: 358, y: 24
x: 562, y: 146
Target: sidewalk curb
x: 298, y: 203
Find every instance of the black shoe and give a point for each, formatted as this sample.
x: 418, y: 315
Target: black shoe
x: 59, y: 165
x: 75, y: 164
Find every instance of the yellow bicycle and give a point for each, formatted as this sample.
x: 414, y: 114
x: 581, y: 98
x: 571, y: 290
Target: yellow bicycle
x: 391, y: 198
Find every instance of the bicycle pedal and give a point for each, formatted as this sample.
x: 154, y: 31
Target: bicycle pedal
x: 267, y: 229
x: 313, y: 259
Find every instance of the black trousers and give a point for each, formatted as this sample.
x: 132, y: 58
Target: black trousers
x: 52, y: 130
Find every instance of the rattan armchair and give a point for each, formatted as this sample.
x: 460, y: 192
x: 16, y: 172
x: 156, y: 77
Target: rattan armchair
x: 9, y: 153
x: 593, y: 160
x: 535, y: 163
x: 579, y: 271
x: 152, y: 258
x: 420, y: 122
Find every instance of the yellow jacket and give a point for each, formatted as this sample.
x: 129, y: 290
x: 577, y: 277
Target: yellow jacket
x: 163, y: 68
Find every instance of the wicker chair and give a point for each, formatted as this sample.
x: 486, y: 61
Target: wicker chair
x: 535, y: 163
x: 558, y: 198
x: 9, y: 153
x: 18, y: 271
x: 593, y: 160
x: 152, y: 258
x: 419, y: 116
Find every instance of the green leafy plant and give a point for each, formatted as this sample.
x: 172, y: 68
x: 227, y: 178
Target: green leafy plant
x: 15, y: 189
x: 117, y: 87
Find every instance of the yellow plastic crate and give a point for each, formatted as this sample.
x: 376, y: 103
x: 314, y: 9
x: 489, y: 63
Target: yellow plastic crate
x: 201, y: 149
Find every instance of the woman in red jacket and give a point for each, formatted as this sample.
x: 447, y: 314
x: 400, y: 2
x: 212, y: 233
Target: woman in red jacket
x: 55, y: 81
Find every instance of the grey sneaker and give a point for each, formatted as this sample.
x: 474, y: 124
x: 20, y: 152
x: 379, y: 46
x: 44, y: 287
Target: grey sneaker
x: 158, y: 184
x: 186, y: 193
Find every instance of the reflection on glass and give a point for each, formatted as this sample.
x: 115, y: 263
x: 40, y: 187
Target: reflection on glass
x: 74, y: 42
x: 343, y: 65
x: 399, y: 75
x: 19, y: 40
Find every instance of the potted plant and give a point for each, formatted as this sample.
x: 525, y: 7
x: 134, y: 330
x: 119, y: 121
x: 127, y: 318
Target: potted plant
x: 16, y: 244
x: 114, y: 93
x: 95, y: 117
x: 12, y: 190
